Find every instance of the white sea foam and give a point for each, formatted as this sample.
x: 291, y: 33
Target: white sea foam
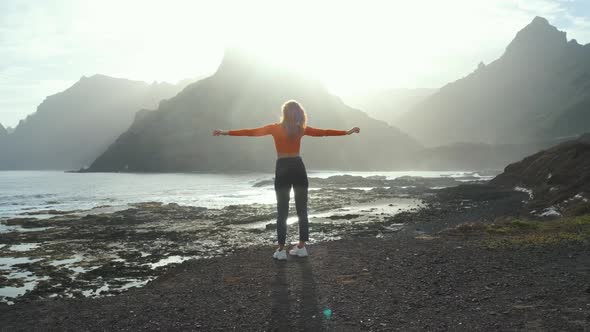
x: 169, y: 260
x: 579, y: 196
x: 525, y: 190
x: 24, y: 246
x: 550, y: 212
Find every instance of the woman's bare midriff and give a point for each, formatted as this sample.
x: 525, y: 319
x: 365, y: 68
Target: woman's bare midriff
x: 287, y: 155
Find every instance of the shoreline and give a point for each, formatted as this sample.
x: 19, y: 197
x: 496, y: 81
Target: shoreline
x: 73, y: 255
x: 457, y: 263
x: 55, y: 192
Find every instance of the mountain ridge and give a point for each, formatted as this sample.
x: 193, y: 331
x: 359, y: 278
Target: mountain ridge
x: 246, y: 92
x: 524, y: 96
x: 71, y: 127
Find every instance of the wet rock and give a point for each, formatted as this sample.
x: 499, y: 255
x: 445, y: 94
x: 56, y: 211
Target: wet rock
x: 558, y: 177
x: 345, y: 216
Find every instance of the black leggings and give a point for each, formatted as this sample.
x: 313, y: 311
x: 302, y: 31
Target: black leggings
x: 291, y: 172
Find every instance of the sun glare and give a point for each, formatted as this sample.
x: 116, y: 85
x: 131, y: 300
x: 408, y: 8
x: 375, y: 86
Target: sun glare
x: 350, y: 46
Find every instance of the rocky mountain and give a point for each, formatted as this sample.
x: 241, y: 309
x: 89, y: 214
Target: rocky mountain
x: 69, y: 129
x: 245, y: 92
x: 3, y: 131
x: 388, y: 105
x: 539, y: 89
x: 557, y: 179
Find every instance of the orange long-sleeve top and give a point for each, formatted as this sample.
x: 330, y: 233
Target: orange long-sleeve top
x: 283, y: 143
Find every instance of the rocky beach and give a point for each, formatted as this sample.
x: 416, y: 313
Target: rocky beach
x: 409, y: 253
x: 100, y: 252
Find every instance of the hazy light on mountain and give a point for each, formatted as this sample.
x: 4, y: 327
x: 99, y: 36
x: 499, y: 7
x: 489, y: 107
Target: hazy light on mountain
x: 349, y: 45
x: 353, y: 47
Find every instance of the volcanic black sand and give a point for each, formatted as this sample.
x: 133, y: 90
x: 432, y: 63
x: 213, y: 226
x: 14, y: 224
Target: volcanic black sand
x: 458, y: 264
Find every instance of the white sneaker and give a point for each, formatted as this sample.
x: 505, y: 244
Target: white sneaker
x: 280, y: 255
x: 299, y: 252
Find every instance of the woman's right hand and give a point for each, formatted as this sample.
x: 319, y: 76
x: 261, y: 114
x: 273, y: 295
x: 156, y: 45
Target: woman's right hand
x: 354, y: 130
x: 218, y: 132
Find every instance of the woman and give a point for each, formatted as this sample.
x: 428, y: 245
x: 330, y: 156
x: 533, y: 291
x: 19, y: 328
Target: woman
x: 290, y: 170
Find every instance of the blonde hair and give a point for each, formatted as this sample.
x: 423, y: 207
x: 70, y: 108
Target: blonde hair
x: 293, y: 118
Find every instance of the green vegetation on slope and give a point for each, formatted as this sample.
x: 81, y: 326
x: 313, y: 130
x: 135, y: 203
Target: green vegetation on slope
x: 522, y: 232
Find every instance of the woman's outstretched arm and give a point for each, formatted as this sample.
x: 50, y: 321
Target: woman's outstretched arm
x: 266, y: 130
x: 310, y: 131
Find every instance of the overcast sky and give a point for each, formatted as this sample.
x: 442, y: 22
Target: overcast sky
x: 352, y: 46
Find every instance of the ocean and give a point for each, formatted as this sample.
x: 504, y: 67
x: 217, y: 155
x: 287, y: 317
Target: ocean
x: 33, y: 191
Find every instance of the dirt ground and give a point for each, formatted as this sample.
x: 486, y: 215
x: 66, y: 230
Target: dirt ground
x: 393, y: 283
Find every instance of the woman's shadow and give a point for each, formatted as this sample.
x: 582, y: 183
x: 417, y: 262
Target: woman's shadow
x: 309, y: 317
